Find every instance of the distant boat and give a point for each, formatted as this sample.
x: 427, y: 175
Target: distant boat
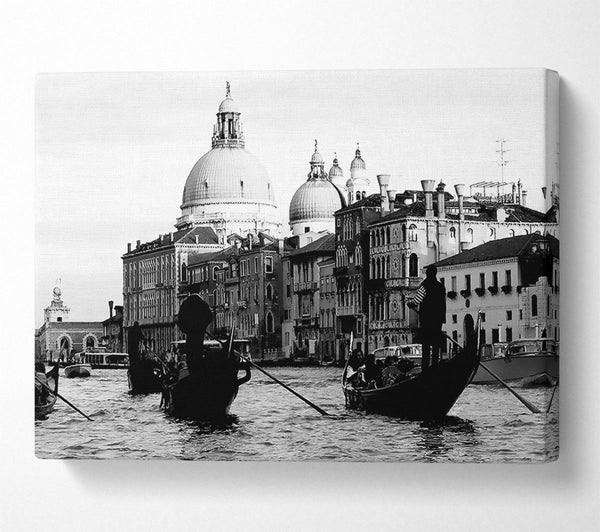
x: 418, y: 395
x: 78, y: 370
x: 101, y: 358
x: 42, y: 410
x: 528, y: 361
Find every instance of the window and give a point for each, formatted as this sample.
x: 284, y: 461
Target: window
x: 482, y: 280
x: 495, y: 336
x: 482, y: 337
x: 256, y: 265
x: 508, y: 315
x: 268, y: 264
x: 520, y: 313
x: 288, y: 290
x: 534, y: 305
x: 453, y: 283
x: 454, y: 318
x: 358, y: 326
x: 455, y: 336
x: 412, y: 233
x: 453, y: 233
x: 286, y: 315
x: 469, y: 235
x: 509, y: 336
x: 269, y: 323
x: 508, y: 278
x: 483, y: 317
x: 214, y: 273
x: 287, y: 338
x: 183, y: 272
x: 269, y: 292
x: 548, y: 313
x: 413, y: 265
x: 468, y: 283
x: 59, y: 318
x: 495, y: 279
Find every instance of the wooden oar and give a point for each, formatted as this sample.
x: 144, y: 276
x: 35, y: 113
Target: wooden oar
x: 552, y: 397
x: 61, y: 397
x: 531, y: 407
x: 318, y: 409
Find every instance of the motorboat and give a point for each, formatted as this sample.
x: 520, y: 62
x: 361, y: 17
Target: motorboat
x: 527, y: 361
x: 78, y: 370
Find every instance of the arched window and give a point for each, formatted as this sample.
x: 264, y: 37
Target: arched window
x: 453, y: 233
x: 372, y: 272
x: 387, y: 235
x: 183, y: 272
x: 492, y: 232
x: 413, y: 265
x: 534, y: 305
x: 412, y: 233
x: 511, y: 233
x: 403, y: 232
x: 469, y: 235
x: 269, y: 292
x: 269, y: 322
x: 387, y: 267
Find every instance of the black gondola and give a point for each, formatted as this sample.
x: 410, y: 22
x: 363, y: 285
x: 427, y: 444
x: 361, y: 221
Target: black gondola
x: 427, y: 395
x: 209, y: 392
x: 45, y: 403
x: 144, y: 376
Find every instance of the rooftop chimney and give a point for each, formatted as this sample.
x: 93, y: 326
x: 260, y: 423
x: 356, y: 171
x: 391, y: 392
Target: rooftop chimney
x: 128, y: 247
x: 392, y: 199
x: 428, y: 185
x: 110, y: 308
x: 524, y: 198
x: 138, y: 243
x: 460, y: 192
x: 384, y: 181
x: 441, y: 200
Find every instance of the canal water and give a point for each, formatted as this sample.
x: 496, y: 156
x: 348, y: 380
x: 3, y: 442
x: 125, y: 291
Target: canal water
x: 487, y: 424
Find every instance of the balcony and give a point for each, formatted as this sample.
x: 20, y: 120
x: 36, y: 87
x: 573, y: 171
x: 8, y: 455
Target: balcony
x: 386, y: 248
x: 506, y: 289
x: 349, y: 310
x: 307, y: 286
x: 306, y: 321
x: 403, y: 282
x: 480, y: 291
x: 465, y: 293
x: 377, y: 325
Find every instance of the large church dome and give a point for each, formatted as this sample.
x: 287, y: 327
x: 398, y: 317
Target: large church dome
x: 227, y: 174
x: 228, y: 189
x: 314, y: 203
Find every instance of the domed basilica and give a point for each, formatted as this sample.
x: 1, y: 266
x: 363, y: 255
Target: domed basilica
x: 228, y: 189
x: 313, y: 204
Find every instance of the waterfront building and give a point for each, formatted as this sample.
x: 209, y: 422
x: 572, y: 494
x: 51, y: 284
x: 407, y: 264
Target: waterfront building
x: 313, y: 204
x: 152, y: 274
x: 352, y: 251
x: 112, y: 334
x: 228, y: 189
x: 305, y: 280
x: 513, y: 282
x: 58, y: 338
x: 412, y: 234
x: 328, y: 346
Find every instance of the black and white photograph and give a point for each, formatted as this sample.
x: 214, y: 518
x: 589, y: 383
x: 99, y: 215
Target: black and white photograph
x: 298, y: 265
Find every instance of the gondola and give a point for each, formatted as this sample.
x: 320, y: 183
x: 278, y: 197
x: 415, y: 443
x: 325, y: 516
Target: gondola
x: 42, y: 410
x: 208, y: 393
x: 78, y: 371
x: 144, y: 376
x: 423, y: 396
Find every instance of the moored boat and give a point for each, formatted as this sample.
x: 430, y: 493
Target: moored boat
x: 528, y: 361
x: 78, y: 370
x: 209, y: 392
x: 418, y: 395
x: 44, y: 403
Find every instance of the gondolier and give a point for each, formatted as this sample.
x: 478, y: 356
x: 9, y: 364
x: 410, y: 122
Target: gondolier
x: 194, y: 317
x: 430, y: 303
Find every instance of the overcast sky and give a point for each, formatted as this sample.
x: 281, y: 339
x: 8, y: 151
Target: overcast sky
x: 113, y: 151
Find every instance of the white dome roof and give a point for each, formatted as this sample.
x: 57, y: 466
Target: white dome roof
x: 228, y: 106
x: 317, y: 198
x: 227, y: 174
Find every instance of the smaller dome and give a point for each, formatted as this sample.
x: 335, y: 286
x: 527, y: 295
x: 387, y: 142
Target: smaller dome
x: 315, y: 199
x: 317, y: 158
x: 336, y: 170
x: 228, y: 106
x: 358, y: 161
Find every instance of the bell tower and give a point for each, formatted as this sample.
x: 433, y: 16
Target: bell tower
x: 56, y: 311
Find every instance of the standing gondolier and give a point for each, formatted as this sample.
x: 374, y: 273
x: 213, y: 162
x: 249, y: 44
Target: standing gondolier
x: 193, y: 319
x: 134, y: 340
x: 430, y: 303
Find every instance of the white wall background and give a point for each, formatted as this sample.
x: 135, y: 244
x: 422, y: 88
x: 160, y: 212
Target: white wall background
x: 128, y: 36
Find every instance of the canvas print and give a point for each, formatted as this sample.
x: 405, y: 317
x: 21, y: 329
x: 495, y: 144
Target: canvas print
x: 299, y: 265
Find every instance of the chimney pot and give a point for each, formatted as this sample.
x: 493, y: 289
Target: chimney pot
x: 110, y: 308
x: 128, y: 247
x: 384, y: 181
x: 138, y: 243
x: 391, y: 194
x: 441, y: 200
x: 460, y: 192
x: 428, y: 185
